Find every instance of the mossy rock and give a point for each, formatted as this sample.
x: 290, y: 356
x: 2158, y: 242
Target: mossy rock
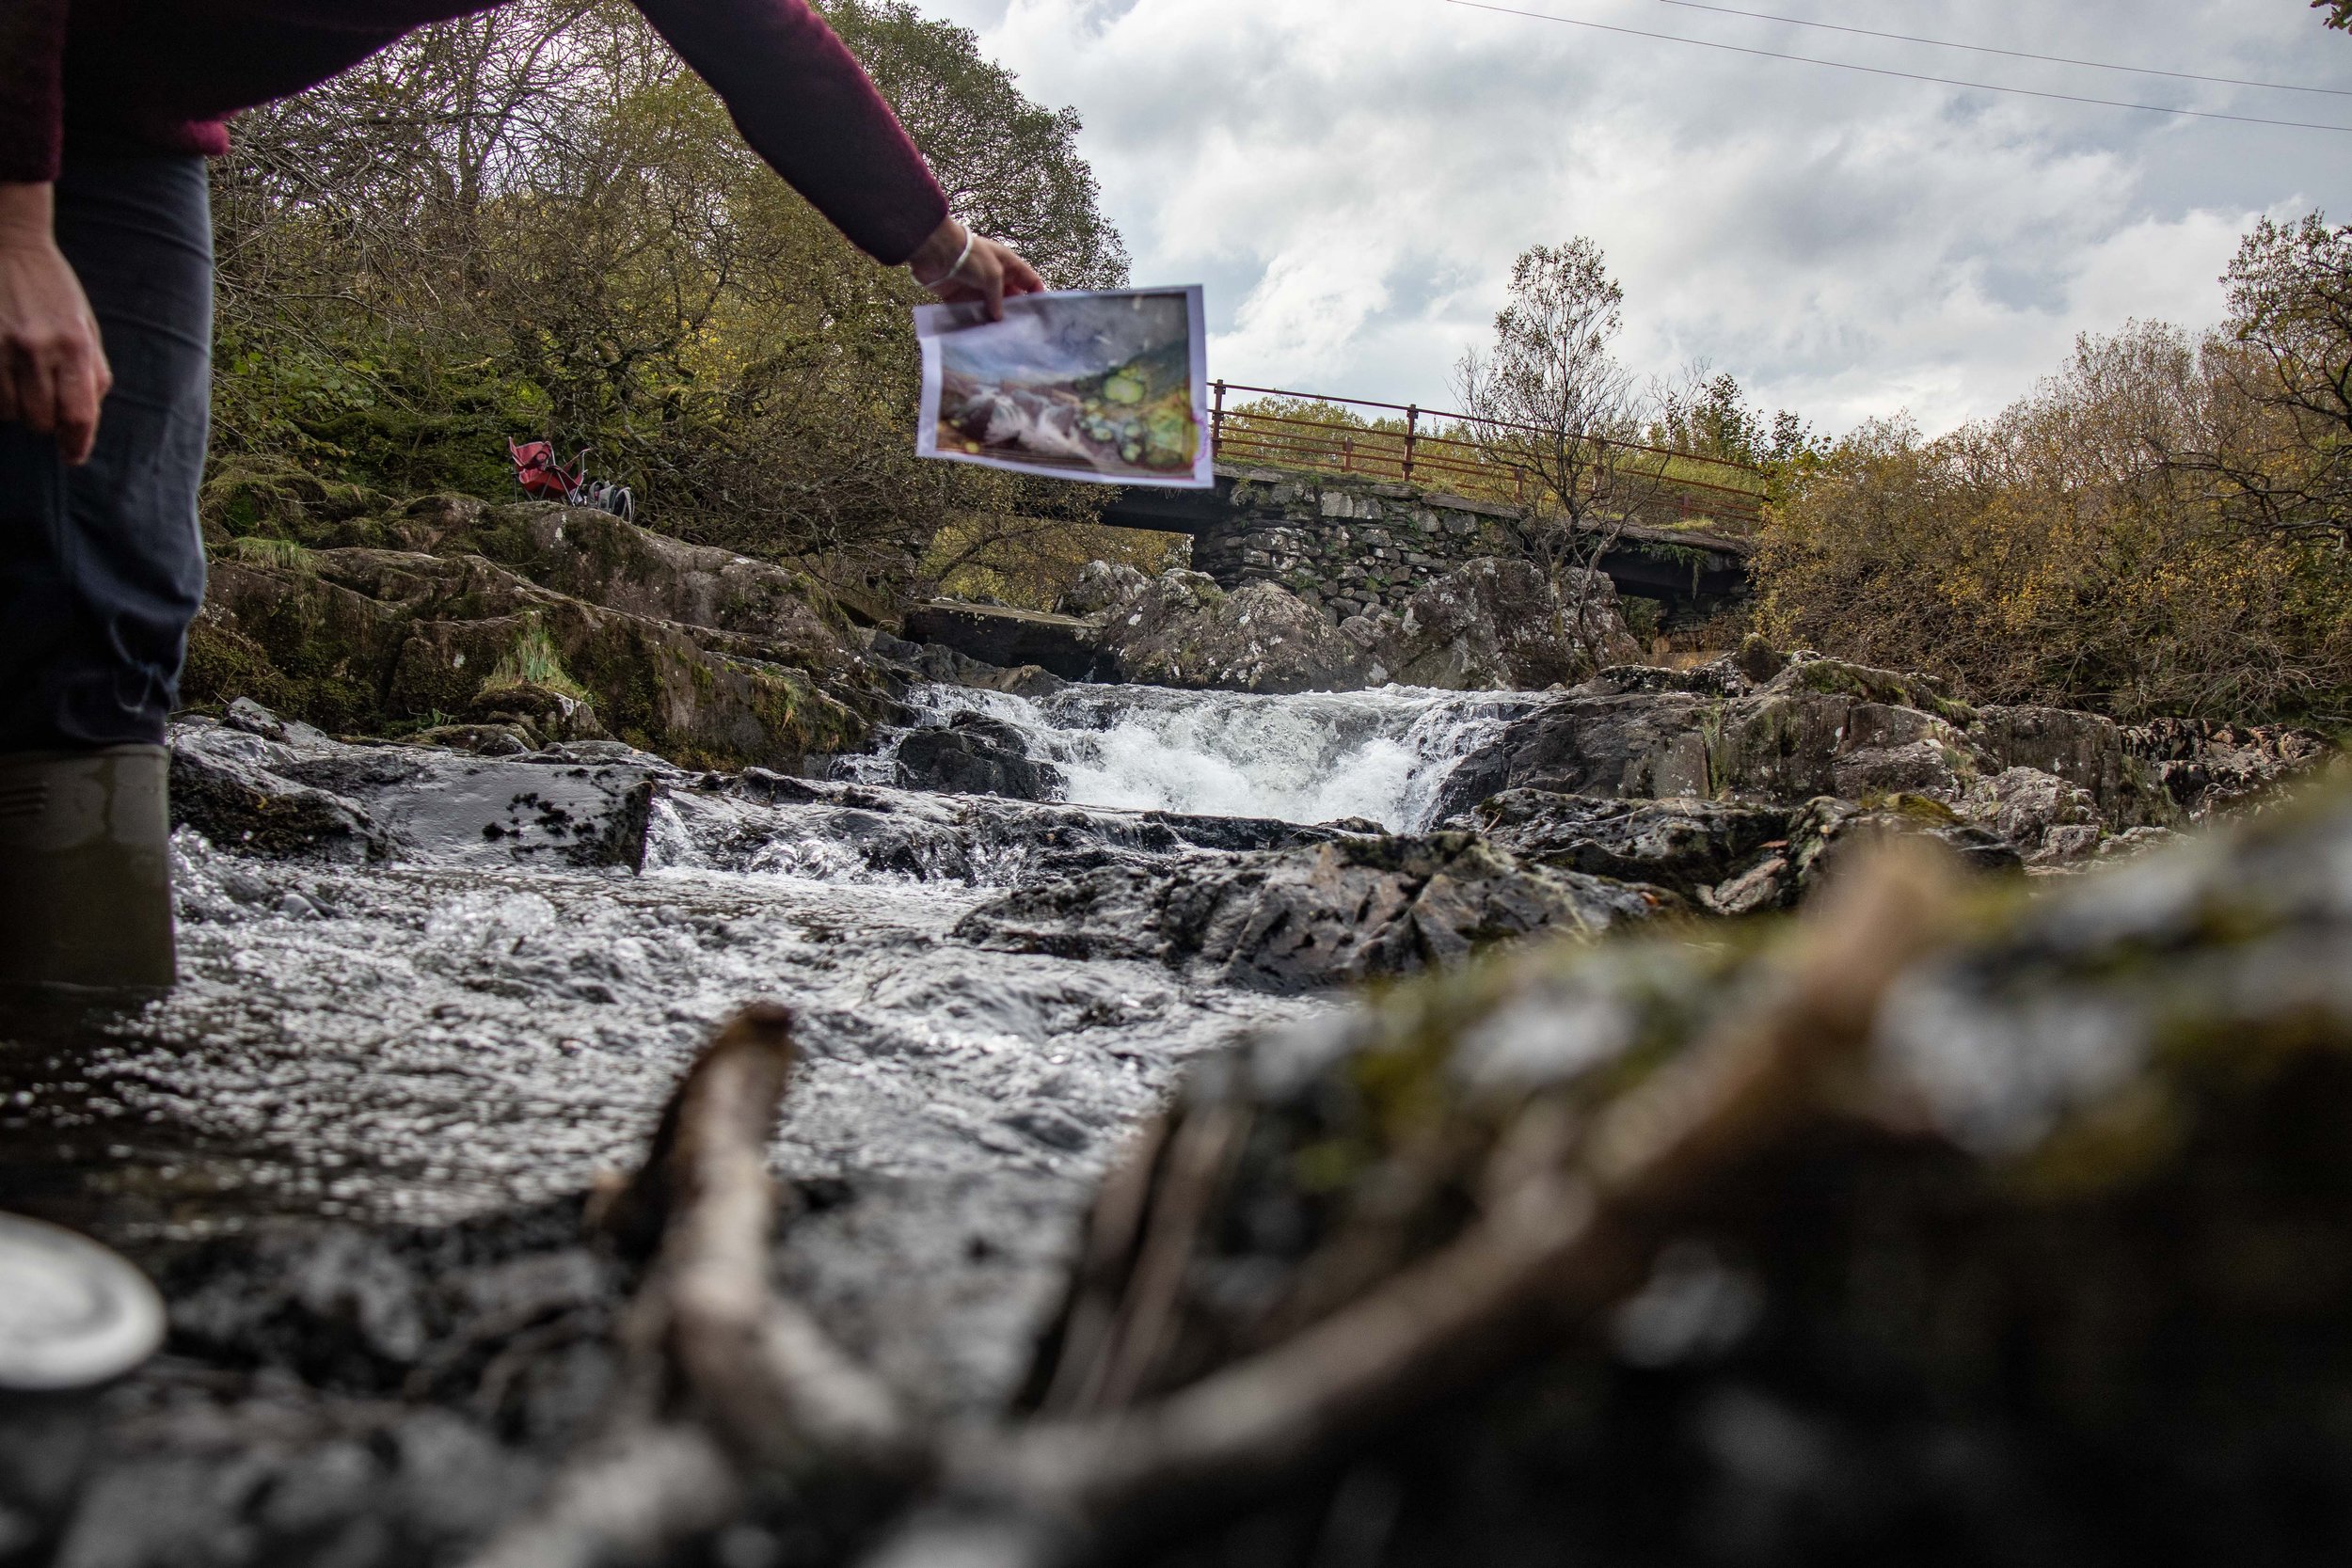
x: 2053, y: 1272
x: 242, y: 499
x: 1835, y: 677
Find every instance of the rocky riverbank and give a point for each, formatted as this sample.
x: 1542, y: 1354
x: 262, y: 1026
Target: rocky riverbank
x: 501, y: 628
x: 439, y: 987
x: 354, y: 1149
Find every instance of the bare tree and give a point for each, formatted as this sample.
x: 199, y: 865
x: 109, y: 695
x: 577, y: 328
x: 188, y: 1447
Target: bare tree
x: 2277, y: 442
x: 1556, y: 411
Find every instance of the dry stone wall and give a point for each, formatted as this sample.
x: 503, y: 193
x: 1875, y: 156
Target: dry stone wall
x: 1359, y: 547
x: 1346, y: 549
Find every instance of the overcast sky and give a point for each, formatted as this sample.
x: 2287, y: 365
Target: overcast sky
x: 1351, y: 179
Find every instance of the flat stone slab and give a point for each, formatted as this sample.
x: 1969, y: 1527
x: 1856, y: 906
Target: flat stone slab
x: 994, y: 634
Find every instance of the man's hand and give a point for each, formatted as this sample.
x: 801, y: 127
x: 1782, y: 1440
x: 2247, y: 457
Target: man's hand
x: 955, y: 264
x: 52, y: 369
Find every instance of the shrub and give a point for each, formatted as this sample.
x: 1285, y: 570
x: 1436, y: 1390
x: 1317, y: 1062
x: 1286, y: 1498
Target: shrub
x: 2055, y: 554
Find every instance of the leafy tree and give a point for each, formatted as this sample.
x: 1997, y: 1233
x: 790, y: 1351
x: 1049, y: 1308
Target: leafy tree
x: 2339, y: 13
x: 534, y: 220
x: 2280, y: 429
x: 1009, y: 166
x: 2054, y: 555
x: 1560, y: 416
x: 1710, y: 417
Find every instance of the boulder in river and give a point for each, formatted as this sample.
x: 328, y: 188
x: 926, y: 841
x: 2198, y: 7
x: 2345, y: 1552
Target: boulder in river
x: 264, y: 786
x: 1334, y: 914
x: 975, y: 754
x: 1103, y: 587
x: 1487, y: 625
x: 408, y: 620
x: 1816, y: 727
x: 1680, y: 842
x: 1184, y: 630
x: 1490, y: 624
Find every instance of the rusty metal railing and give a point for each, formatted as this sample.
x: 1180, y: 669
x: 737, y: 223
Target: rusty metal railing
x: 1440, y: 448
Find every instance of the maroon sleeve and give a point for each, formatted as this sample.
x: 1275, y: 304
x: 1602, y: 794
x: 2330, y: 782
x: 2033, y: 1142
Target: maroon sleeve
x: 806, y: 106
x: 32, y: 89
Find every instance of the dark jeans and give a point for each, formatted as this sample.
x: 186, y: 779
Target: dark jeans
x: 100, y: 566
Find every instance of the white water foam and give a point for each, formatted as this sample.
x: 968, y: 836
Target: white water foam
x: 1312, y: 758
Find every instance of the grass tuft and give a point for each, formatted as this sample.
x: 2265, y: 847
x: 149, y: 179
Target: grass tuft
x: 535, y: 660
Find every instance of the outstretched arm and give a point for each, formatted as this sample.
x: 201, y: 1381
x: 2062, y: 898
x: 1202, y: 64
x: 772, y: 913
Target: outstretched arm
x: 806, y: 106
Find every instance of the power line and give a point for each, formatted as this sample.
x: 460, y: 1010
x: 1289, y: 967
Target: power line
x: 2013, y: 53
x: 1906, y: 75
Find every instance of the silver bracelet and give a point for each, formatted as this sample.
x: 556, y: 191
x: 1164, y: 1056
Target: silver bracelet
x: 961, y: 256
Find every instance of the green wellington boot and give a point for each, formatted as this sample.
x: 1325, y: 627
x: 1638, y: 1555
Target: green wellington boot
x: 85, y: 869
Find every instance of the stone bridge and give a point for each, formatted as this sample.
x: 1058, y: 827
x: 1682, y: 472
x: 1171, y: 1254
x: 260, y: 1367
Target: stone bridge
x: 1350, y: 545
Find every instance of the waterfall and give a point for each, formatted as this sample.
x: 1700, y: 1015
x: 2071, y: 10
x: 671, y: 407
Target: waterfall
x: 1311, y: 757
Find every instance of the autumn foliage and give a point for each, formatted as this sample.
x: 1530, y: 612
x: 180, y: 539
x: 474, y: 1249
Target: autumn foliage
x: 2160, y: 528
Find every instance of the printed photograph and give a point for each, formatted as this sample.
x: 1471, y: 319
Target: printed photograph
x: 1108, y: 387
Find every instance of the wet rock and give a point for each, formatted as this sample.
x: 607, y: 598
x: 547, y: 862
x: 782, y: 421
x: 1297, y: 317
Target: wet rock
x: 1636, y: 745
x: 1336, y: 913
x: 974, y: 755
x: 324, y: 799
x: 943, y: 665
x: 1006, y: 637
x: 1681, y: 844
x: 223, y: 786
x: 1819, y: 727
x: 1184, y: 631
x: 1490, y: 625
x: 365, y: 1396
x: 760, y: 821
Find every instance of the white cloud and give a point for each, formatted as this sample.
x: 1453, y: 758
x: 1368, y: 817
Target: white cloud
x: 1352, y: 179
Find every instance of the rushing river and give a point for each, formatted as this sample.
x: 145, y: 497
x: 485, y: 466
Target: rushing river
x: 452, y: 1033
x: 1316, y: 757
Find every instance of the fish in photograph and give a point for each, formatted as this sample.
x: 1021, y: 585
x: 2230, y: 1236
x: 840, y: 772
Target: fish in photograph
x: 1103, y: 386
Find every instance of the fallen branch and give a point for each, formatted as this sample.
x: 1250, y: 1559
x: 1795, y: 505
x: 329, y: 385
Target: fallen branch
x: 1567, y: 1242
x: 723, y: 1383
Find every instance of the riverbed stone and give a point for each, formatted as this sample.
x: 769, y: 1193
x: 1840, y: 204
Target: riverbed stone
x: 973, y: 754
x: 1336, y: 913
x: 362, y: 639
x: 1100, y: 588
x: 1680, y: 842
x: 394, y: 619
x: 311, y: 797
